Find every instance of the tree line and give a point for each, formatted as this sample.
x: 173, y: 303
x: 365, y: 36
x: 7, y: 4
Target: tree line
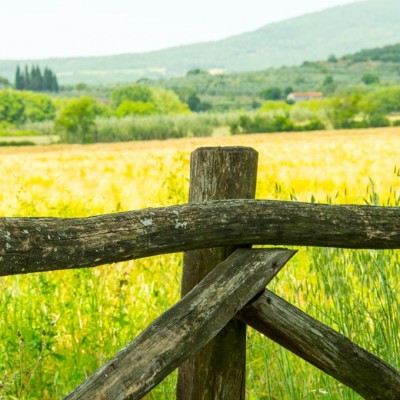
x: 387, y: 54
x: 35, y: 80
x: 140, y: 112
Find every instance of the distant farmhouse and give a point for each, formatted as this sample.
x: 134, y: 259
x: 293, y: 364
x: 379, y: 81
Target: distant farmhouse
x: 304, y: 96
x: 216, y: 71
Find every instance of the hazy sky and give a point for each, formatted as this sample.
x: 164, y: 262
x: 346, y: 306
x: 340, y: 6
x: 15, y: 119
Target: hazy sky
x: 57, y: 28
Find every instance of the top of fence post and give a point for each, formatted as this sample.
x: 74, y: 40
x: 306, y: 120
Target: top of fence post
x: 218, y: 370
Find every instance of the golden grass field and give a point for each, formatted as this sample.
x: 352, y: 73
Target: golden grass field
x: 70, y: 322
x: 134, y: 175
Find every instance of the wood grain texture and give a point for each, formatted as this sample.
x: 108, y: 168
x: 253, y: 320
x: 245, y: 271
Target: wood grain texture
x: 45, y: 244
x: 184, y: 328
x: 328, y: 350
x: 218, y: 370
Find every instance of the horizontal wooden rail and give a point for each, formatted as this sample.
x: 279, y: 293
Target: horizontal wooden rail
x: 184, y: 328
x: 44, y: 244
x: 321, y: 346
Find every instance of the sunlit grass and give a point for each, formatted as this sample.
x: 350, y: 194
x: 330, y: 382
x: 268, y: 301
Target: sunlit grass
x: 58, y: 327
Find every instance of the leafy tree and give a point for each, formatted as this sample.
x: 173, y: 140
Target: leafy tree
x: 328, y: 85
x: 76, y: 122
x: 271, y: 93
x: 131, y: 93
x: 12, y: 107
x: 343, y: 110
x: 168, y: 102
x: 159, y: 101
x: 382, y: 101
x: 4, y: 82
x: 81, y: 86
x: 196, y: 105
x: 194, y: 102
x: 287, y: 91
x: 130, y: 108
x: 332, y: 59
x: 328, y: 80
x: 369, y: 78
x: 38, y: 107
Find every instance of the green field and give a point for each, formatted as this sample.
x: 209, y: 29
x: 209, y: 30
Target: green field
x: 59, y: 327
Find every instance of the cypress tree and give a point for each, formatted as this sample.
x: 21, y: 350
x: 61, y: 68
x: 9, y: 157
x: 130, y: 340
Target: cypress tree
x: 33, y: 79
x: 36, y: 79
x: 47, y: 80
x: 19, y: 79
x: 54, y: 85
x: 40, y: 79
x: 27, y: 79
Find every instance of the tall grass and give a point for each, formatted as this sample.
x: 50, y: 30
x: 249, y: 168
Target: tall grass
x: 58, y: 327
x: 152, y: 127
x: 160, y: 127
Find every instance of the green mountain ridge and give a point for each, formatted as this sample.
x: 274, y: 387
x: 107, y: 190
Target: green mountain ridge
x: 340, y: 30
x: 386, y: 54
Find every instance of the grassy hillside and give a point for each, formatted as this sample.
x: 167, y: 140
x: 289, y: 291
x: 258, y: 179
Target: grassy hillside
x: 340, y: 30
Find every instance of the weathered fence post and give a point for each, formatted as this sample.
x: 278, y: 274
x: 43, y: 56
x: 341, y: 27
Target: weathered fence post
x: 218, y: 370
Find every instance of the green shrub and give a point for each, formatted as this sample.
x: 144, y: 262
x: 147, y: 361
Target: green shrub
x: 258, y: 123
x: 17, y: 143
x: 312, y: 125
x: 378, y: 120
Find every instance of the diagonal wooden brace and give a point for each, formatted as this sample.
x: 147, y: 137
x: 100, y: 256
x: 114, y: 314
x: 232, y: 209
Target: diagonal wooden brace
x: 184, y: 328
x: 321, y: 346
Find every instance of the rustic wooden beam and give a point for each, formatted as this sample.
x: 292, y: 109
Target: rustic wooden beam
x: 184, y: 328
x: 218, y: 370
x: 326, y: 349
x: 45, y: 244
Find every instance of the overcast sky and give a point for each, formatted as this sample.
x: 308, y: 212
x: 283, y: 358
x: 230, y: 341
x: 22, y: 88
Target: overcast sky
x: 59, y: 28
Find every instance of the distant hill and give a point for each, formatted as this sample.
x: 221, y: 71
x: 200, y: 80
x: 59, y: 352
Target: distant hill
x: 339, y: 30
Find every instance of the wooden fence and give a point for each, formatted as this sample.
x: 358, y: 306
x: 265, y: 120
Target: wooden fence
x: 223, y: 283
